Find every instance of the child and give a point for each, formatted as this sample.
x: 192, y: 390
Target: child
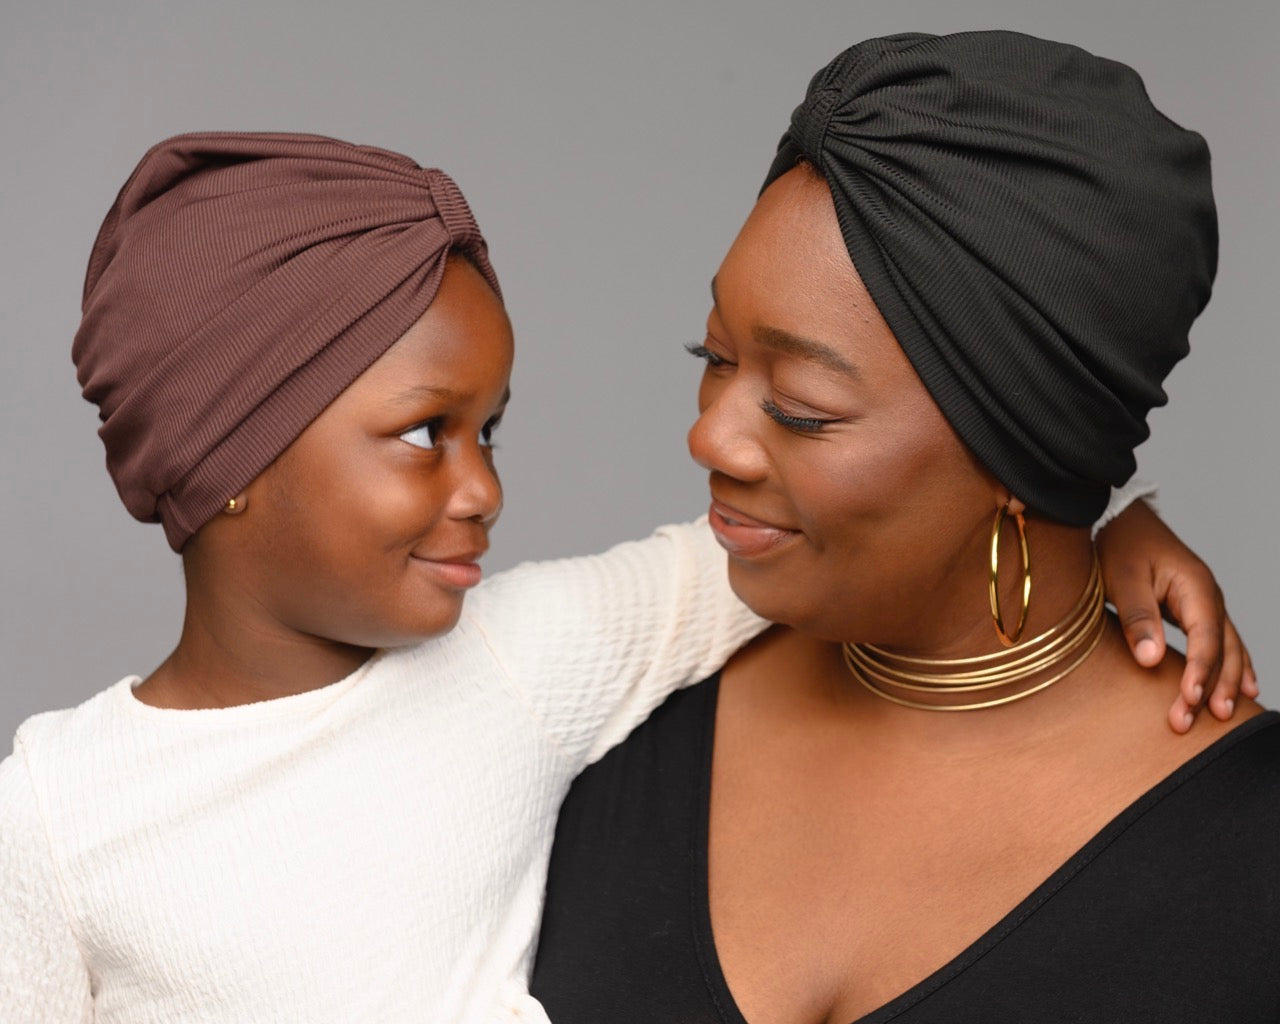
x: 335, y: 799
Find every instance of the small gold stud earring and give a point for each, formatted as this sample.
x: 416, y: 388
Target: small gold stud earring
x: 234, y: 506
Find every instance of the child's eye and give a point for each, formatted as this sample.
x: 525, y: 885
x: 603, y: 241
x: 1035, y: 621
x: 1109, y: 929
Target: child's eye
x: 423, y: 435
x: 706, y: 355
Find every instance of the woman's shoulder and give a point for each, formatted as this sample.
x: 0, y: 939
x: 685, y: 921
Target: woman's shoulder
x: 1231, y: 789
x: 1195, y: 863
x: 1252, y: 735
x: 1250, y: 751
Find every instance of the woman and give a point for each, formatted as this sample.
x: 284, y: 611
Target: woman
x: 334, y: 800
x: 924, y: 796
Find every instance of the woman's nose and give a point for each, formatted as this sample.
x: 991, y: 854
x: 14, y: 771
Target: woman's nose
x: 723, y: 438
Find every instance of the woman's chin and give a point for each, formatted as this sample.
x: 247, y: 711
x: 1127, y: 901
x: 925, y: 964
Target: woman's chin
x: 784, y: 600
x: 765, y: 593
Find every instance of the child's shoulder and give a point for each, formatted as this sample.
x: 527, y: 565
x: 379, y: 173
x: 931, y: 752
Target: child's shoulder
x: 70, y: 726
x: 52, y: 737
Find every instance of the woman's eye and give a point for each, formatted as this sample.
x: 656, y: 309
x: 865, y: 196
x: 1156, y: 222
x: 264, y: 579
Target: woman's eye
x: 706, y: 355
x: 802, y: 424
x: 423, y: 435
x: 487, y: 432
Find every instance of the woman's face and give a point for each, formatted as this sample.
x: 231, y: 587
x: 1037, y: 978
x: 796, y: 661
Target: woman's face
x: 367, y: 529
x: 848, y: 505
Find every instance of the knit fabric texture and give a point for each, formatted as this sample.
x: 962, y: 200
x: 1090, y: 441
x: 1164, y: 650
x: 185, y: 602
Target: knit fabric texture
x: 1036, y: 233
x: 374, y: 850
x: 240, y: 282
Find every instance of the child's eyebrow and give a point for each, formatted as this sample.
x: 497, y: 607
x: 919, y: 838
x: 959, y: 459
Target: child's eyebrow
x: 420, y: 391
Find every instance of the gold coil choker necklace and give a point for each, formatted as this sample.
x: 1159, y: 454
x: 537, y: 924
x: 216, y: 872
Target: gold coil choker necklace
x: 986, y: 680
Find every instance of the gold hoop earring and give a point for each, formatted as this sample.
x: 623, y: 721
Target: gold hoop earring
x: 993, y: 584
x: 234, y: 506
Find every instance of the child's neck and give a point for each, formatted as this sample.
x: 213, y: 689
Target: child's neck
x: 224, y: 660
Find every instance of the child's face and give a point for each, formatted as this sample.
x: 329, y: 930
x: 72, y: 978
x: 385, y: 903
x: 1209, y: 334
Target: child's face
x: 366, y: 530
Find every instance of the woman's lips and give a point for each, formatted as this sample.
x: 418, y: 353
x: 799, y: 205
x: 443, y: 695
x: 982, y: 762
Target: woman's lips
x: 740, y: 534
x: 462, y: 573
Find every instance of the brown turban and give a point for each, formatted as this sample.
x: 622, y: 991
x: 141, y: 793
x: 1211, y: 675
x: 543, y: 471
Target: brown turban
x: 241, y: 282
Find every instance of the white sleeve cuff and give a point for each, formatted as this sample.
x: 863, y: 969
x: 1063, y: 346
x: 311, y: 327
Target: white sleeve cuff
x: 1122, y: 498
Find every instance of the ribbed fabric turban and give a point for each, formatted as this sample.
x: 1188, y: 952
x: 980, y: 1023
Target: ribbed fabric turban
x: 238, y: 285
x: 1038, y: 236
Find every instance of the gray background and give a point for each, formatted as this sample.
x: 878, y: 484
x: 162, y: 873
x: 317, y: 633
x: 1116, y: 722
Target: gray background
x: 610, y: 152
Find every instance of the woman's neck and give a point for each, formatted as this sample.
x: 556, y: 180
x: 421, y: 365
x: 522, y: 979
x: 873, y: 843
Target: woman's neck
x: 1105, y: 682
x: 956, y: 622
x: 954, y: 619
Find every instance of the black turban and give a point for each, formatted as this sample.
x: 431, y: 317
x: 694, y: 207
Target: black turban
x: 1038, y: 236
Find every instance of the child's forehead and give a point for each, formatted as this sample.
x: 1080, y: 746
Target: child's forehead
x: 457, y: 354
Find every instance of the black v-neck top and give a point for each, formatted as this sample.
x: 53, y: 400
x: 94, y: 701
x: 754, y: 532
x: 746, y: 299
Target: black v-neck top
x: 1170, y: 914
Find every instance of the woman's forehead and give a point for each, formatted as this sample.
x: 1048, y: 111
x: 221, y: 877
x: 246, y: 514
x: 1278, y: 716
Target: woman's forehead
x: 789, y: 269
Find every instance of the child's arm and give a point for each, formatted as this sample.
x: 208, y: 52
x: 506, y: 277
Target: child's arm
x: 43, y: 978
x: 596, y: 643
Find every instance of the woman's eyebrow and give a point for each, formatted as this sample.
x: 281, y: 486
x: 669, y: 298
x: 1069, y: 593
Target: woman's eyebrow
x: 794, y: 345
x: 806, y: 348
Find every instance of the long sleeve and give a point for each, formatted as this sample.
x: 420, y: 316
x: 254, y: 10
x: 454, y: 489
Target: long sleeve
x: 596, y: 643
x: 1122, y: 498
x: 43, y: 978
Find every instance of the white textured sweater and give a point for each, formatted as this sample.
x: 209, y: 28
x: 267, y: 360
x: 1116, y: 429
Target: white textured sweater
x: 371, y: 851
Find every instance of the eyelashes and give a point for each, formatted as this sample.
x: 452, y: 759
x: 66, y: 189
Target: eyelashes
x: 425, y: 435
x: 799, y: 424
x: 705, y: 354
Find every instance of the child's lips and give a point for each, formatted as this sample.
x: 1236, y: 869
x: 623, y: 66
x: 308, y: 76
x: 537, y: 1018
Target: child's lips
x: 461, y: 570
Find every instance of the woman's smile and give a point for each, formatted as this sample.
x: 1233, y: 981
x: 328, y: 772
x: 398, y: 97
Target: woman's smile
x: 745, y: 536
